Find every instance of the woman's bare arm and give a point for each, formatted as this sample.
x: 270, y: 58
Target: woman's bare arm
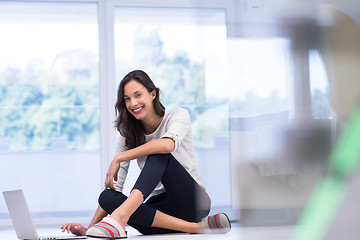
x: 78, y: 229
x: 156, y: 146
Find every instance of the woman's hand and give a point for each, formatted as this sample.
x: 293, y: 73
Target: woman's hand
x: 112, y: 174
x: 75, y: 228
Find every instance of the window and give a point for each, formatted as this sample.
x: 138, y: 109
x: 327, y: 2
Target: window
x: 184, y: 52
x: 259, y: 105
x: 259, y: 76
x: 49, y: 106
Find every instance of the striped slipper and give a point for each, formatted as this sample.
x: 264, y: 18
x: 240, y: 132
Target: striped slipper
x: 107, y: 228
x: 218, y: 223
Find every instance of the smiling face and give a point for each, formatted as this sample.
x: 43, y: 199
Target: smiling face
x: 138, y: 100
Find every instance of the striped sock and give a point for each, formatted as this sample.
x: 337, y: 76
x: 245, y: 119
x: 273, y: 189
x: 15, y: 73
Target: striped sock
x: 218, y: 223
x: 107, y: 228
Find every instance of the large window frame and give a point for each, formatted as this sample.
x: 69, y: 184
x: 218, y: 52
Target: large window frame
x: 107, y: 73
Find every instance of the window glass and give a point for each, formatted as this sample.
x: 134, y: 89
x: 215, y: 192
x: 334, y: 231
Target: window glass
x: 259, y: 76
x: 184, y: 52
x: 49, y: 106
x: 320, y: 101
x: 259, y: 105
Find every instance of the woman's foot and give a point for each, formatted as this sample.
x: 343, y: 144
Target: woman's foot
x: 218, y: 223
x: 107, y: 228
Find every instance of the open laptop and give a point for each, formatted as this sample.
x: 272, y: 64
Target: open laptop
x: 21, y: 217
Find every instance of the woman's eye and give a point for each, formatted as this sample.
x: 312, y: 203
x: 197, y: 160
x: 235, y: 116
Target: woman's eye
x: 126, y: 99
x: 138, y: 95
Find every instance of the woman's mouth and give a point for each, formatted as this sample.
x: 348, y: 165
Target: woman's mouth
x: 137, y: 110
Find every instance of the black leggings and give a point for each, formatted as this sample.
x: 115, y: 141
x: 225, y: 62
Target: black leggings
x: 184, y: 197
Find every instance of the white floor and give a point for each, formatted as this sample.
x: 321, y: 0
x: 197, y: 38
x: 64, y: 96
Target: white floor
x: 237, y: 233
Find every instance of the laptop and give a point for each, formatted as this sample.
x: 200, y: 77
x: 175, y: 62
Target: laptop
x: 21, y: 217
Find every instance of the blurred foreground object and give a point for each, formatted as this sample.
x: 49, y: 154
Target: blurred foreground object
x: 331, y: 213
x: 328, y: 196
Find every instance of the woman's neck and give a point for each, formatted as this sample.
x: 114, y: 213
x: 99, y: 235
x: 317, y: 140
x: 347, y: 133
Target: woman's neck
x: 152, y: 123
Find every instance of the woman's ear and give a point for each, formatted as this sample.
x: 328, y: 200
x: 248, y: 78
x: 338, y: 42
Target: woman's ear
x: 153, y: 94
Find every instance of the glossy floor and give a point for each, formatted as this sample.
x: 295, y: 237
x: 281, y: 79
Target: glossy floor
x: 237, y: 233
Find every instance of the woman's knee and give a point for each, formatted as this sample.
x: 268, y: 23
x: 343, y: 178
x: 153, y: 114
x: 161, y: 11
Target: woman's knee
x: 109, y: 200
x: 159, y: 157
x: 156, y: 162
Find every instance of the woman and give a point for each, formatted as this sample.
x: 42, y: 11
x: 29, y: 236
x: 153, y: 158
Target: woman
x: 161, y: 141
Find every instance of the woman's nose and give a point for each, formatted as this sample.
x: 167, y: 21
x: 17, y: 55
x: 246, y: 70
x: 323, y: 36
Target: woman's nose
x: 133, y: 102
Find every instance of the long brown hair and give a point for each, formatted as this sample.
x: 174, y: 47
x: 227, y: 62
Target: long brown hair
x: 129, y: 127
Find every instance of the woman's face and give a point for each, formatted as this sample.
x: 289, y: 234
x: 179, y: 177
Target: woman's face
x: 138, y: 101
